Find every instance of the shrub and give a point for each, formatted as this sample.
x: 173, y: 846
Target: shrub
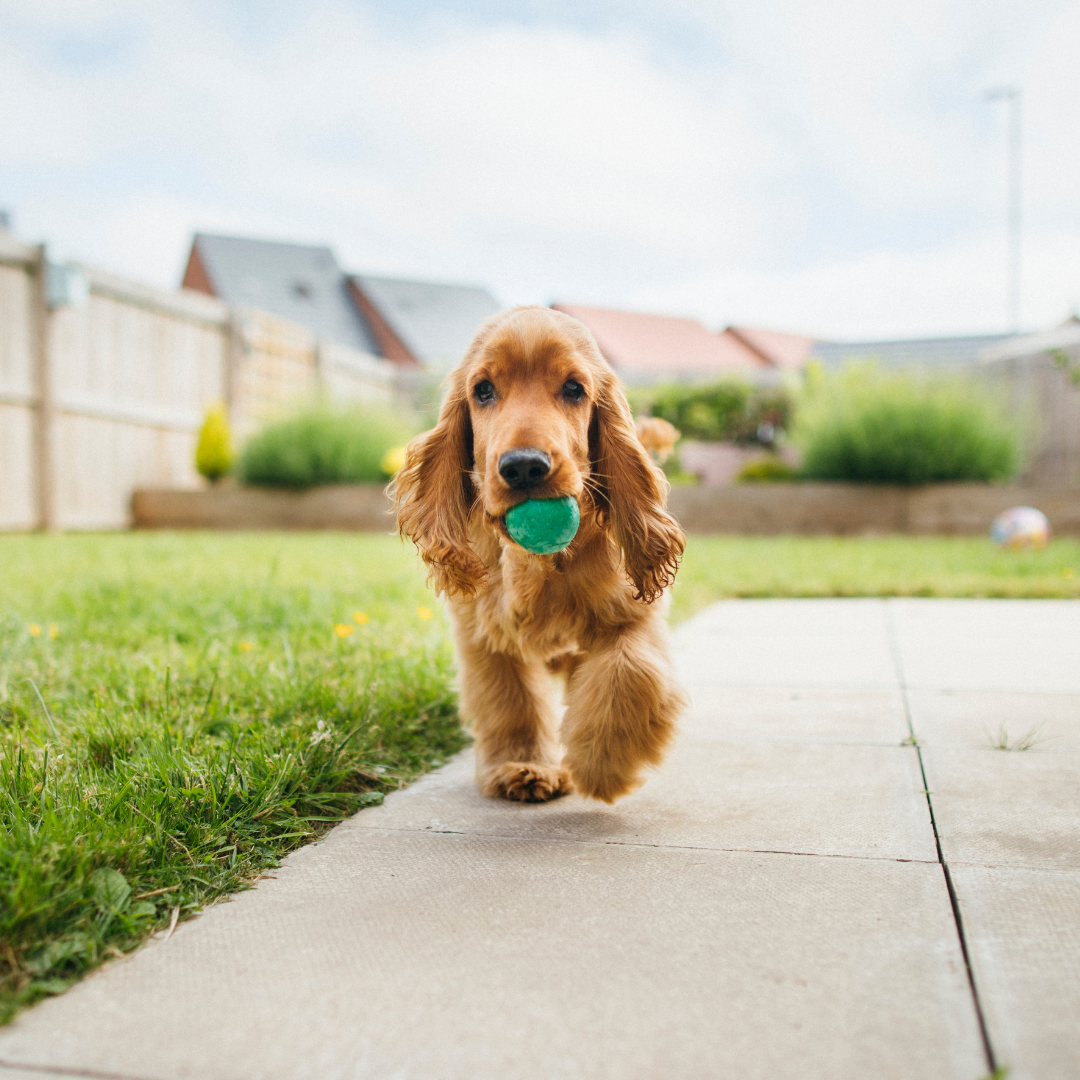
x: 725, y: 411
x: 322, y: 445
x: 766, y: 470
x: 214, y: 452
x: 866, y: 426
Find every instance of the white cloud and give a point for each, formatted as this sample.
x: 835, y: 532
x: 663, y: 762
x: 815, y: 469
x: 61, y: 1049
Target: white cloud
x: 831, y: 169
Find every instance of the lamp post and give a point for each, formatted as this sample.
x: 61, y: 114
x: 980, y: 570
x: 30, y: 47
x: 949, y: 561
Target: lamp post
x: 1011, y: 94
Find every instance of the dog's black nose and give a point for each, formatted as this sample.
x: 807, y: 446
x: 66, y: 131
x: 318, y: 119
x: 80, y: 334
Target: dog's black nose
x: 524, y: 468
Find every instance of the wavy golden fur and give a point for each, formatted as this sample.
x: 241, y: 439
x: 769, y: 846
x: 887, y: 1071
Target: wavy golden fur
x: 588, y: 612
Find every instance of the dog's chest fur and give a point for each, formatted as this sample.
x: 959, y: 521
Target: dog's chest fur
x: 544, y: 606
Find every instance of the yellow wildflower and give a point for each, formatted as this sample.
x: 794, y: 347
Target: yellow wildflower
x: 359, y: 617
x: 343, y: 630
x: 35, y: 630
x: 54, y: 631
x: 246, y: 646
x: 423, y: 612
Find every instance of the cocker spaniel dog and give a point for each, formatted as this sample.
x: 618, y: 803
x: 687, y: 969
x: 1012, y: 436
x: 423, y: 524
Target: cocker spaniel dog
x: 534, y: 412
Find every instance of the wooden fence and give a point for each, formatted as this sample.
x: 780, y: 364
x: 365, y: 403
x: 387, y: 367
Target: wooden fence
x: 104, y: 392
x: 1033, y: 374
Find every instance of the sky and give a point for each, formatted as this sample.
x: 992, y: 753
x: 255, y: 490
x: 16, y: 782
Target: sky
x: 828, y: 167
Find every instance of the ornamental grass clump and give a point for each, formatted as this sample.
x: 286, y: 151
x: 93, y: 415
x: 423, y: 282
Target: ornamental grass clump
x: 323, y: 445
x: 865, y: 426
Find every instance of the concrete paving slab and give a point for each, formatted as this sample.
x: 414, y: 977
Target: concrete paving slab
x: 764, y: 714
x: 410, y: 955
x: 978, y: 720
x: 1023, y: 934
x: 1002, y: 808
x: 855, y: 801
x: 1030, y: 646
x: 861, y: 617
x: 835, y: 644
x: 786, y: 659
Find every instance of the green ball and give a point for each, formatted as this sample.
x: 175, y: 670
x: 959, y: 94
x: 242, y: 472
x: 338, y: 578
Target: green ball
x: 544, y: 526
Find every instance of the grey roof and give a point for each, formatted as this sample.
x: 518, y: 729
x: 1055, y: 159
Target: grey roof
x: 435, y: 322
x: 944, y: 352
x: 297, y: 282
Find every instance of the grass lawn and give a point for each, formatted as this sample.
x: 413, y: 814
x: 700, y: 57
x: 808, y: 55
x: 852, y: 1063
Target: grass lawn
x: 720, y: 566
x: 179, y: 711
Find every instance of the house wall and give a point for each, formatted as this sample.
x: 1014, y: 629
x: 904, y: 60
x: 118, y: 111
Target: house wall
x: 107, y: 395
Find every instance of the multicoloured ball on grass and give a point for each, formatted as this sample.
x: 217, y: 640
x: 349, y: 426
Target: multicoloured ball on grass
x: 544, y: 526
x: 1021, y: 527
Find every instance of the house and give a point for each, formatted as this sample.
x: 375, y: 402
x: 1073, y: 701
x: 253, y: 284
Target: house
x: 419, y: 321
x: 939, y: 352
x: 648, y: 348
x: 413, y: 323
x: 295, y: 281
x: 780, y: 351
x: 789, y: 352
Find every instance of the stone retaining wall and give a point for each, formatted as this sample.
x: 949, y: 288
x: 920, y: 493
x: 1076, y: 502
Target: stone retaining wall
x: 755, y: 509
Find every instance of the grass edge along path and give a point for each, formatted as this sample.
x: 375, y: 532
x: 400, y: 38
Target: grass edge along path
x: 722, y: 567
x: 178, y: 713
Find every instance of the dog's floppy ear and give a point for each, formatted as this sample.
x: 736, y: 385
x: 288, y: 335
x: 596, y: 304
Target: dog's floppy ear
x: 632, y: 495
x: 433, y: 494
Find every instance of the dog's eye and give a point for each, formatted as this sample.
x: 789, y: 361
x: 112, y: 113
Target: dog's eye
x: 484, y: 391
x: 572, y: 390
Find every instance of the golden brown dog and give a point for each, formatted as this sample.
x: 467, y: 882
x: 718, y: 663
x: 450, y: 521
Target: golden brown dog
x: 534, y: 411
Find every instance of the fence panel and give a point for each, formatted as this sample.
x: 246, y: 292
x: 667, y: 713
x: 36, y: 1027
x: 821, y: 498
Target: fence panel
x: 356, y: 377
x: 282, y: 363
x: 130, y: 374
x: 18, y: 391
x: 1047, y: 407
x: 133, y: 372
x: 276, y: 365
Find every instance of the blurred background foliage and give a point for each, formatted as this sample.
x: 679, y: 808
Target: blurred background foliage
x: 324, y: 445
x: 730, y: 410
x: 866, y: 425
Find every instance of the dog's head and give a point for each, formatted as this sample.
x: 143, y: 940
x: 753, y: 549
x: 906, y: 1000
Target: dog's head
x: 534, y: 412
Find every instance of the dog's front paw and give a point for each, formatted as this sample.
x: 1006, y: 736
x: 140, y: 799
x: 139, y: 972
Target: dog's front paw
x: 526, y: 781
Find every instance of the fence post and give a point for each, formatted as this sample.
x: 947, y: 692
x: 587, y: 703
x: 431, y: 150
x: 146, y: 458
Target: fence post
x: 322, y: 370
x: 44, y: 431
x: 234, y: 358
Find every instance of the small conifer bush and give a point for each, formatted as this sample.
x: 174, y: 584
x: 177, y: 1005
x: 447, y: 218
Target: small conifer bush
x: 214, y: 453
x: 323, y: 445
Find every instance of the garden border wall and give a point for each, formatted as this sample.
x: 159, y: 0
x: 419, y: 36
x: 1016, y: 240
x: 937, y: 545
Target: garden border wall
x: 747, y: 509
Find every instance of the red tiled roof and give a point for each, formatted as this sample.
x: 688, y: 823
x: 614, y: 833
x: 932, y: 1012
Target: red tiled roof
x: 780, y: 350
x: 634, y: 342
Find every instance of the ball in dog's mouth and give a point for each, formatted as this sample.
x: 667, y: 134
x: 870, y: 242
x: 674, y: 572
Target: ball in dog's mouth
x: 544, y: 526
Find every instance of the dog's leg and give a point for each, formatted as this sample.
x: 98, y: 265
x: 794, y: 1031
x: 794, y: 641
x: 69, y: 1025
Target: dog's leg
x: 514, y: 722
x: 622, y: 704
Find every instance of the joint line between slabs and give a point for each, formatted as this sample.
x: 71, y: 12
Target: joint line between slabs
x: 61, y: 1073
x: 418, y: 831
x: 954, y: 903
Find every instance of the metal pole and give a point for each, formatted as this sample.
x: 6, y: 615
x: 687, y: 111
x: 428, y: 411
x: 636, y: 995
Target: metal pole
x: 1012, y: 95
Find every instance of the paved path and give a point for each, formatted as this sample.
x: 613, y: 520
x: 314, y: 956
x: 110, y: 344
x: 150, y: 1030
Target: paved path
x: 771, y: 905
